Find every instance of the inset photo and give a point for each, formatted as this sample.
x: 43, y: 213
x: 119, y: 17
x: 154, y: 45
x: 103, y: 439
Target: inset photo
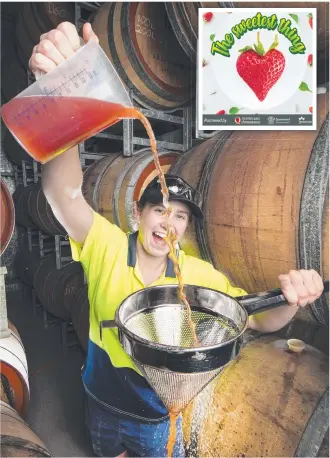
x: 256, y: 69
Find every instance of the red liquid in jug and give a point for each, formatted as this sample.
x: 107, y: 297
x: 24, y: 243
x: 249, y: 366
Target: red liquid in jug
x: 47, y: 126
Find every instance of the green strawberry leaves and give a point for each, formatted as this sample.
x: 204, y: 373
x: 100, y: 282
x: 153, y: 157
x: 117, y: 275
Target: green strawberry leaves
x: 212, y: 36
x: 274, y: 44
x: 295, y: 18
x: 304, y: 87
x: 259, y: 48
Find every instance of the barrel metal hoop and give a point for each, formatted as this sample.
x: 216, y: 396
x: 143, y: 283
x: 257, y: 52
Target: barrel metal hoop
x: 315, y: 431
x: 163, y: 90
x: 203, y: 187
x: 174, y: 10
x: 130, y: 162
x: 311, y: 214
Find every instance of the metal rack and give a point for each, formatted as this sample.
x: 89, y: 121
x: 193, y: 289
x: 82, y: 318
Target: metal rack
x: 30, y: 173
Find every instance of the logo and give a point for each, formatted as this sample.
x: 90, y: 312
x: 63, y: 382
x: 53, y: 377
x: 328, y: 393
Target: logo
x: 301, y: 119
x: 271, y: 120
x: 238, y: 120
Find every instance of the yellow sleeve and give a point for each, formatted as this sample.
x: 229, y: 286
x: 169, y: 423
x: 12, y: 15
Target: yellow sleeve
x: 100, y: 248
x: 220, y: 282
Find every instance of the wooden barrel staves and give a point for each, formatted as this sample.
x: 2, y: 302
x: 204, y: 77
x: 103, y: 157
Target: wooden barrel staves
x: 14, y: 370
x: 267, y: 402
x: 262, y: 195
x: 183, y: 17
x: 7, y: 220
x: 57, y: 288
x: 36, y: 19
x: 33, y: 210
x: 41, y: 213
x: 113, y: 184
x: 17, y: 438
x: 80, y: 316
x: 139, y: 40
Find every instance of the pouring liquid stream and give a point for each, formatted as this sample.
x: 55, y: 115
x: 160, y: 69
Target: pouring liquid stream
x: 171, y: 241
x: 170, y: 235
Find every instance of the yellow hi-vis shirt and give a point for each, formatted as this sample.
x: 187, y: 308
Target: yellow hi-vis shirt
x: 108, y: 257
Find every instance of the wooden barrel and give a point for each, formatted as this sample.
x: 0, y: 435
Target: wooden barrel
x: 57, y: 288
x: 268, y: 402
x: 33, y: 210
x: 14, y: 151
x: 113, y: 184
x: 262, y: 195
x: 191, y: 165
x: 80, y: 316
x: 17, y: 439
x: 41, y: 213
x: 183, y: 17
x: 7, y: 220
x: 14, y: 370
x: 36, y: 19
x: 322, y: 26
x: 140, y: 42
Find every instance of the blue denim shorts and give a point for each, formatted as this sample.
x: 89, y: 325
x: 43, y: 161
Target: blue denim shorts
x: 112, y: 433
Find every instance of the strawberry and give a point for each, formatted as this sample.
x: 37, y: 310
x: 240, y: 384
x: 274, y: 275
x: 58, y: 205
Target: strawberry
x: 221, y: 112
x: 311, y: 109
x: 310, y: 20
x: 259, y: 69
x: 310, y: 60
x: 207, y: 17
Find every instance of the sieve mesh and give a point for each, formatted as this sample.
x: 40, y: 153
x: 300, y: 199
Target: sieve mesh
x: 168, y: 325
x: 175, y: 389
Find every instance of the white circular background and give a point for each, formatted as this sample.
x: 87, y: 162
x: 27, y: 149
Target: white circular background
x: 224, y: 68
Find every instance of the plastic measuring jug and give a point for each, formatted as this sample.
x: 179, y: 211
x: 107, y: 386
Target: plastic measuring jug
x: 79, y: 98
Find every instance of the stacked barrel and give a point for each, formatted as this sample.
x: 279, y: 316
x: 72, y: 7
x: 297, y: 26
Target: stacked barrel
x: 17, y: 439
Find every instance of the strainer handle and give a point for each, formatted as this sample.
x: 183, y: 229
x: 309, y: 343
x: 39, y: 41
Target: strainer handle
x: 260, y: 302
x: 107, y: 324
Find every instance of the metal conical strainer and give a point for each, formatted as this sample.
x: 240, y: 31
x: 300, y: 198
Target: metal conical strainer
x: 154, y: 330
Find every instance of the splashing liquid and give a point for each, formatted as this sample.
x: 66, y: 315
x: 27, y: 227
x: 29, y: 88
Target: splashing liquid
x: 172, y: 434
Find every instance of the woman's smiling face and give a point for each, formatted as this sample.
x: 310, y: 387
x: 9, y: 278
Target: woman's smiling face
x: 152, y: 227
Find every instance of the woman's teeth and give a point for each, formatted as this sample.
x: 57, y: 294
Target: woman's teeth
x: 159, y: 234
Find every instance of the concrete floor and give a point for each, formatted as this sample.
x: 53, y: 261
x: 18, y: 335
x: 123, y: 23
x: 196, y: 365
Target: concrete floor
x: 56, y: 410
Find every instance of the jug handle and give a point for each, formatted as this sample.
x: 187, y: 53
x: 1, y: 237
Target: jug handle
x: 260, y: 302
